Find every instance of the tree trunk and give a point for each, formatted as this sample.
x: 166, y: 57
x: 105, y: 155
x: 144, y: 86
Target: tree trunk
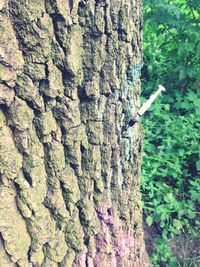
x: 69, y: 84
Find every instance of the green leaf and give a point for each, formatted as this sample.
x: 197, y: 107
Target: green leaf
x: 191, y: 214
x: 164, y: 234
x: 149, y: 220
x: 177, y: 224
x: 195, y: 195
x: 162, y: 225
x: 198, y: 165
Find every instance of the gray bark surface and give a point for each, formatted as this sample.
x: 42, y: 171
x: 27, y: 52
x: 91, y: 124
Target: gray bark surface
x: 69, y: 173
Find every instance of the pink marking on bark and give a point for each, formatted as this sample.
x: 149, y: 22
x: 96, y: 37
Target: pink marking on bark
x: 124, y: 244
x: 100, y: 259
x: 112, y: 262
x: 103, y: 239
x: 89, y: 261
x: 103, y: 215
x: 101, y: 242
x: 79, y: 260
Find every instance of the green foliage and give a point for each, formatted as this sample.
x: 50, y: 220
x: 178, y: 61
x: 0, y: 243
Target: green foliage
x: 170, y: 183
x: 163, y: 254
x: 172, y: 42
x: 171, y: 157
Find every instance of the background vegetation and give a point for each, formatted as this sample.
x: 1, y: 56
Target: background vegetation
x: 171, y: 158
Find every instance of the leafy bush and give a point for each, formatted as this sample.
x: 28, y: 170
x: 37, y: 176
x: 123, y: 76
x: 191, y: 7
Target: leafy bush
x: 163, y: 254
x: 172, y: 43
x: 170, y: 165
x: 171, y: 157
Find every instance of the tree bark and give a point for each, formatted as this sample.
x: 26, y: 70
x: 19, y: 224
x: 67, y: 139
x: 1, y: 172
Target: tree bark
x: 69, y: 172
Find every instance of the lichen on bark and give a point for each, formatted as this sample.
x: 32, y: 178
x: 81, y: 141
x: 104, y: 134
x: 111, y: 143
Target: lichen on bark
x: 69, y: 174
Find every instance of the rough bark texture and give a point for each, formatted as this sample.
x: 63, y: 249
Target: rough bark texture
x: 69, y: 173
